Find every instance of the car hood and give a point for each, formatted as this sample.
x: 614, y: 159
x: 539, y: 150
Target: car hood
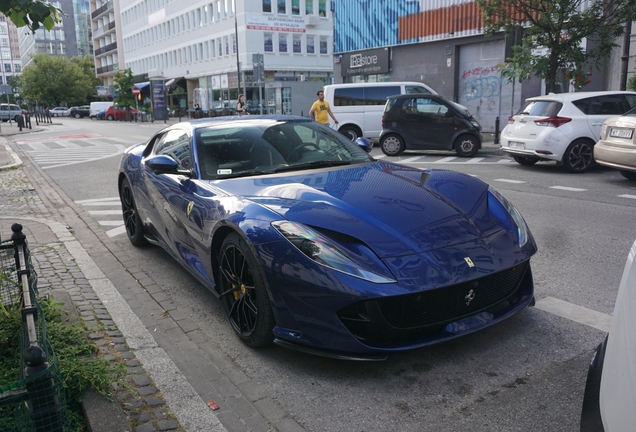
x: 394, y: 209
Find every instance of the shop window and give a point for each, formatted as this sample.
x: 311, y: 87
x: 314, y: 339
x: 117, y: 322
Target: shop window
x: 269, y: 42
x: 282, y: 42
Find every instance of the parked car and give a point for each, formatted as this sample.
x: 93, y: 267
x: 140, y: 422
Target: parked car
x: 117, y: 113
x: 562, y: 127
x: 101, y: 115
x: 58, y: 112
x: 80, y: 111
x: 428, y: 121
x: 9, y: 111
x: 312, y: 244
x: 97, y: 107
x: 609, y: 401
x: 617, y: 146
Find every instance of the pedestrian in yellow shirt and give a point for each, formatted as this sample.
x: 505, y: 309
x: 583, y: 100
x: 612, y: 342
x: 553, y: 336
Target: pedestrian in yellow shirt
x: 320, y: 109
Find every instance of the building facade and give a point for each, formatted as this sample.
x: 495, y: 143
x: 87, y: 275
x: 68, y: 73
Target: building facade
x: 11, y: 59
x: 210, y: 46
x: 440, y: 43
x: 107, y: 42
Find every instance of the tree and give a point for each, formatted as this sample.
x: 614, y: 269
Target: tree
x: 554, y: 32
x: 31, y: 13
x: 88, y: 67
x: 51, y: 80
x: 124, y: 81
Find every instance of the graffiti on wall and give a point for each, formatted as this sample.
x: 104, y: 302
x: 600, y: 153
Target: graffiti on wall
x: 481, y: 83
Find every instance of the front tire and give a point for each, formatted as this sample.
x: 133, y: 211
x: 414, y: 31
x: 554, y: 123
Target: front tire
x: 244, y: 294
x: 524, y: 160
x: 467, y: 146
x: 110, y: 117
x: 132, y: 221
x: 579, y: 156
x: 629, y: 175
x: 350, y: 132
x: 392, y: 145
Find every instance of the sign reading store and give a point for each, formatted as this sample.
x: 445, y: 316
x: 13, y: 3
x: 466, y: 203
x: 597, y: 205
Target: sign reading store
x: 368, y: 62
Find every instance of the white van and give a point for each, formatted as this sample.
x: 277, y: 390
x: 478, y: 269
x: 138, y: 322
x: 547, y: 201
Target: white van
x: 96, y: 107
x: 359, y: 107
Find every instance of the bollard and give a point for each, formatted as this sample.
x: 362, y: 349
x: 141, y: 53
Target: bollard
x: 28, y: 120
x: 497, y: 130
x: 20, y: 121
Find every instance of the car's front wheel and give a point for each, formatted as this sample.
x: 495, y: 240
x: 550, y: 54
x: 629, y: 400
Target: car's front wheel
x: 466, y: 146
x: 132, y: 221
x: 110, y: 117
x: 243, y: 293
x: 392, y: 145
x: 629, y: 175
x: 579, y: 156
x: 524, y: 160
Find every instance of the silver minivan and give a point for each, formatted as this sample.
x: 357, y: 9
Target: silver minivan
x: 9, y: 111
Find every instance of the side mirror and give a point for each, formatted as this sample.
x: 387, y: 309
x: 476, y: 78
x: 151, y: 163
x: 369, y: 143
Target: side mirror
x: 163, y: 164
x: 365, y: 144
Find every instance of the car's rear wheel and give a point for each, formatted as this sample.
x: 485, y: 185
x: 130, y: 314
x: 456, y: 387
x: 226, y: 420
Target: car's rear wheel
x: 351, y: 132
x: 524, y: 160
x: 629, y: 175
x: 78, y: 115
x: 579, y: 156
x: 466, y: 146
x: 392, y: 145
x: 110, y: 117
x: 132, y: 221
x: 244, y: 294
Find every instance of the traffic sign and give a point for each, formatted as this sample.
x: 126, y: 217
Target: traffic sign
x: 136, y: 91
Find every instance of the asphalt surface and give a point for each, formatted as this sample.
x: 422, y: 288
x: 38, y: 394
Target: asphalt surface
x: 105, y: 290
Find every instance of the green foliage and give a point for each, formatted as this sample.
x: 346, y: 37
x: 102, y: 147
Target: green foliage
x: 51, y: 80
x: 31, y: 13
x: 554, y: 34
x: 79, y: 367
x: 123, y: 82
x: 88, y: 67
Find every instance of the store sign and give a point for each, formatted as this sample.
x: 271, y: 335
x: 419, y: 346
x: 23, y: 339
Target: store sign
x: 368, y: 62
x: 275, y: 23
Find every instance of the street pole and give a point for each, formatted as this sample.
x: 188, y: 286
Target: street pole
x: 238, y: 63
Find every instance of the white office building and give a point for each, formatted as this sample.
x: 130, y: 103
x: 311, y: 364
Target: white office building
x: 198, y: 46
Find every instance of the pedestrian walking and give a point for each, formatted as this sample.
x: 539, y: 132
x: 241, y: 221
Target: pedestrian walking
x: 320, y: 110
x: 241, y: 107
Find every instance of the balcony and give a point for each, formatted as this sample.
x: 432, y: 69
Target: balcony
x: 103, y: 30
x: 102, y: 9
x: 106, y: 69
x: 106, y: 48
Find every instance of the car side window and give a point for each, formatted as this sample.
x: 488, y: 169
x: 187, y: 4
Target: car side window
x: 416, y: 89
x: 605, y: 105
x: 175, y: 143
x: 631, y: 101
x: 424, y: 106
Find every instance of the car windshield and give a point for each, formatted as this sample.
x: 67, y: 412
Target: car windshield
x: 540, y: 108
x: 255, y: 147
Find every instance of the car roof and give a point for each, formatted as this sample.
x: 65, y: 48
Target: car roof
x: 572, y: 96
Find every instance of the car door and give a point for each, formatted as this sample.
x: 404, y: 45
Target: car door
x: 430, y: 122
x: 169, y: 193
x: 599, y: 108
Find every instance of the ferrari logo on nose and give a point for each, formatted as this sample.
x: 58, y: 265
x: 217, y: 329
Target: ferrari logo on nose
x: 469, y: 297
x: 190, y: 207
x: 469, y: 262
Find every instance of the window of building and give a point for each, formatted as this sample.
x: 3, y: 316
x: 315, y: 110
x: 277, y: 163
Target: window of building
x: 297, y: 42
x: 309, y: 7
x: 7, y: 67
x: 4, y: 42
x: 6, y: 55
x: 17, y: 67
x: 282, y: 6
x: 282, y: 42
x: 3, y: 30
x: 323, y: 44
x: 268, y: 45
x: 295, y: 7
x: 226, y: 42
x: 310, y: 45
x: 212, y: 49
x: 233, y: 40
x: 267, y: 5
x: 219, y: 44
x: 322, y: 8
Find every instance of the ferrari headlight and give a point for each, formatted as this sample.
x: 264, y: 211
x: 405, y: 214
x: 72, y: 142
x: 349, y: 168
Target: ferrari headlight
x: 323, y: 251
x: 522, y: 228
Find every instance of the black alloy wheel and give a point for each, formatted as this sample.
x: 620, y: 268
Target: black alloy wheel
x: 524, y: 160
x: 132, y: 221
x: 579, y: 157
x: 466, y: 146
x: 243, y: 293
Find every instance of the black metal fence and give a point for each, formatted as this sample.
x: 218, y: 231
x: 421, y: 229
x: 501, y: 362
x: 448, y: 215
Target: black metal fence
x: 35, y: 402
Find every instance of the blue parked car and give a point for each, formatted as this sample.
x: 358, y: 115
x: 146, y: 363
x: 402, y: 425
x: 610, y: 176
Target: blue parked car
x: 312, y: 244
x: 101, y: 115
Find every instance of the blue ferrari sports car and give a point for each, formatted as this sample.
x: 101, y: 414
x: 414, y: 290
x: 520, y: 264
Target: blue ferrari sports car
x: 312, y: 244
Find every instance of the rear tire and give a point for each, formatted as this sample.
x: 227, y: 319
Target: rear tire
x: 579, y: 157
x: 392, y: 145
x: 524, y: 160
x: 466, y: 146
x: 629, y: 175
x: 78, y: 115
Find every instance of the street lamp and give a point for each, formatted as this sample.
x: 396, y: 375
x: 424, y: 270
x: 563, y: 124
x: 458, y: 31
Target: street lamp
x: 238, y: 63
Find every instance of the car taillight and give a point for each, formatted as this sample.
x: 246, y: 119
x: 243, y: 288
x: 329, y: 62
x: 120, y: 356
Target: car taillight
x: 511, y: 120
x: 553, y: 121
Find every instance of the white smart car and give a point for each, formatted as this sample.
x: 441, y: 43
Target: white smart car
x: 562, y: 127
x: 609, y: 404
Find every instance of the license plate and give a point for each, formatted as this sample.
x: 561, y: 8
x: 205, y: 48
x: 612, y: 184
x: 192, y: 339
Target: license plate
x: 621, y: 133
x: 517, y: 145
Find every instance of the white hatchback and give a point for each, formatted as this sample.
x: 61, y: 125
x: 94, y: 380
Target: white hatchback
x: 562, y: 127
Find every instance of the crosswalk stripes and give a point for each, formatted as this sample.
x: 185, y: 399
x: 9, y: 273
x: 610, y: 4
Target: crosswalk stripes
x: 111, y: 217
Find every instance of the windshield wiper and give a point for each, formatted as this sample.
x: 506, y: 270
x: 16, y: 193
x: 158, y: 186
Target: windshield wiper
x: 314, y: 164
